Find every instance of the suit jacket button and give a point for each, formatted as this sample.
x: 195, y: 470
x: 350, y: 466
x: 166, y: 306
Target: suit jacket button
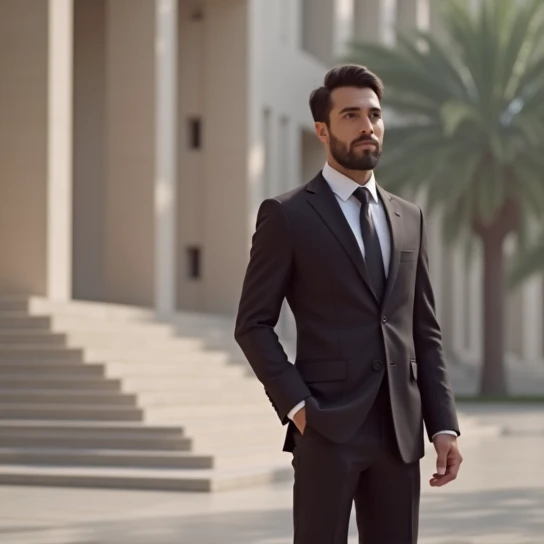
x: 384, y: 319
x: 377, y: 365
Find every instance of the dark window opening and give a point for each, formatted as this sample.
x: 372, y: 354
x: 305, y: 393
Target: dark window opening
x: 195, y: 133
x: 193, y: 259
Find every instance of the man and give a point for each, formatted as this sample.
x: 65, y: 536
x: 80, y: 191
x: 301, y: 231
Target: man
x: 351, y: 260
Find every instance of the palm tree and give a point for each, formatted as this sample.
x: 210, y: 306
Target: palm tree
x: 470, y: 128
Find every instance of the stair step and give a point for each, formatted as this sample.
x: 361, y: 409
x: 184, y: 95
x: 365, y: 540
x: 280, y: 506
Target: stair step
x: 22, y: 321
x: 203, y: 410
x: 46, y: 382
x: 171, y: 370
x: 145, y: 479
x: 115, y: 340
x: 107, y: 327
x: 40, y: 354
x: 104, y: 458
x: 71, y: 412
x: 23, y: 369
x: 12, y: 304
x: 206, y: 384
x: 189, y: 398
x: 191, y: 359
x: 123, y: 429
x: 232, y: 457
x: 47, y: 440
x: 219, y: 421
x: 270, y: 437
x: 64, y: 396
x: 44, y: 338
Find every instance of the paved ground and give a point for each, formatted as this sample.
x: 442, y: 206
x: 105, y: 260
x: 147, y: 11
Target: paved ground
x: 499, y: 499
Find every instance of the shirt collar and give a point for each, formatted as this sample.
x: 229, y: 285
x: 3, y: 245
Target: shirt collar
x: 344, y: 187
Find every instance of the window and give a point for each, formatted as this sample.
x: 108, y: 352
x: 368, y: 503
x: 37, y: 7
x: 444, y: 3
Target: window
x: 193, y: 262
x: 195, y: 133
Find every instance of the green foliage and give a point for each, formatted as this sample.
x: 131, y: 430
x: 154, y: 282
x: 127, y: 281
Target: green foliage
x: 468, y: 111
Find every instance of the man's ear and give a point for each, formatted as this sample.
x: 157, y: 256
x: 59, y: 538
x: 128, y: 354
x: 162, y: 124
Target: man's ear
x: 322, y: 132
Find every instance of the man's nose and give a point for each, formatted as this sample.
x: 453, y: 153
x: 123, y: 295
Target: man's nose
x: 366, y: 127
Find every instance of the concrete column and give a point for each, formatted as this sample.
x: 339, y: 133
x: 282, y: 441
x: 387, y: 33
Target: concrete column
x: 166, y: 155
x: 447, y: 296
x: 313, y: 155
x: 435, y: 248
x: 374, y: 20
x: 413, y: 14
x: 59, y: 150
x: 532, y: 296
x: 514, y: 323
x: 288, y: 172
x: 475, y: 305
x: 272, y: 182
x: 435, y: 18
x: 458, y: 287
x: 131, y: 153
x: 35, y: 152
x: 513, y: 308
x: 327, y: 27
x: 294, y: 29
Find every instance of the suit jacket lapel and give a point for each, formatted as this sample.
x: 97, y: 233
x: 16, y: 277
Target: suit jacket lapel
x: 395, y: 228
x: 323, y: 200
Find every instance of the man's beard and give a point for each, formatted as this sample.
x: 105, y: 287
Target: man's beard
x: 351, y: 158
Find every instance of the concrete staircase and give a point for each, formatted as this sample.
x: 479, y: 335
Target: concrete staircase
x: 99, y: 395
x: 102, y: 395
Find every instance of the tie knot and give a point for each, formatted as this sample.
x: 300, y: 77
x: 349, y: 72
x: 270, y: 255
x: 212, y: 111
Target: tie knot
x: 362, y: 194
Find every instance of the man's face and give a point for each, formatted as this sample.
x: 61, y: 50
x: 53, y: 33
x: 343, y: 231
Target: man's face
x: 355, y: 133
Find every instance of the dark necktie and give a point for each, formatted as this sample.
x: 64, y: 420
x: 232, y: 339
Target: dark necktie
x: 373, y: 251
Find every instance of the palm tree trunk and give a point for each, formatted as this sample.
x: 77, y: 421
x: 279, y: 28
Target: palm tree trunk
x: 493, y: 378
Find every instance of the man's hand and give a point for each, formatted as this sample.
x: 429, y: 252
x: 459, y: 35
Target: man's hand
x: 448, y: 460
x: 299, y: 419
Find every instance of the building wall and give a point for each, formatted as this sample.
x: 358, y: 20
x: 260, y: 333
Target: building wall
x: 23, y: 146
x: 191, y: 205
x: 226, y: 107
x: 245, y: 70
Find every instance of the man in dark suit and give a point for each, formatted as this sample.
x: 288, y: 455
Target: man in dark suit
x: 351, y: 260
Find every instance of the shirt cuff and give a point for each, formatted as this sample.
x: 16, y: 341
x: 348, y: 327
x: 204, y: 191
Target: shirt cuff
x: 453, y: 433
x: 297, y: 408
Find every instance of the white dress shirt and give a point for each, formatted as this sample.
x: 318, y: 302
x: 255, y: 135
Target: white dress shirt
x: 343, y: 188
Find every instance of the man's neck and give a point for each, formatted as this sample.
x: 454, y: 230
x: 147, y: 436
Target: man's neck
x: 361, y: 177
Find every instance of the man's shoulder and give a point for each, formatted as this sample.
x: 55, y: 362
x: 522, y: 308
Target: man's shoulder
x: 292, y: 196
x: 405, y: 205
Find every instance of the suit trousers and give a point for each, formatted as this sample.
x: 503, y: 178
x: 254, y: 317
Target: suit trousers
x: 366, y: 471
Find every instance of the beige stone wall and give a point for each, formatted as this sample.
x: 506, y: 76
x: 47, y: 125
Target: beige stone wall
x: 23, y: 146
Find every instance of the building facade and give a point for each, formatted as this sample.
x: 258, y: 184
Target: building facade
x: 140, y: 136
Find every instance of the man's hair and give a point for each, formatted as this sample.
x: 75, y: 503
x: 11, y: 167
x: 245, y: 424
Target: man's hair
x: 348, y: 75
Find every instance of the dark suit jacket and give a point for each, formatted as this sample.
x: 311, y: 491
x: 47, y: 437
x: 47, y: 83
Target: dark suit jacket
x: 347, y: 341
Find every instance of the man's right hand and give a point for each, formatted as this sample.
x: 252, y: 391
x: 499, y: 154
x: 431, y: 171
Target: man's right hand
x: 299, y: 419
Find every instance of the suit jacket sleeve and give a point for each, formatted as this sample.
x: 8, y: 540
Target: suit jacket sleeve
x: 437, y: 397
x: 264, y: 289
